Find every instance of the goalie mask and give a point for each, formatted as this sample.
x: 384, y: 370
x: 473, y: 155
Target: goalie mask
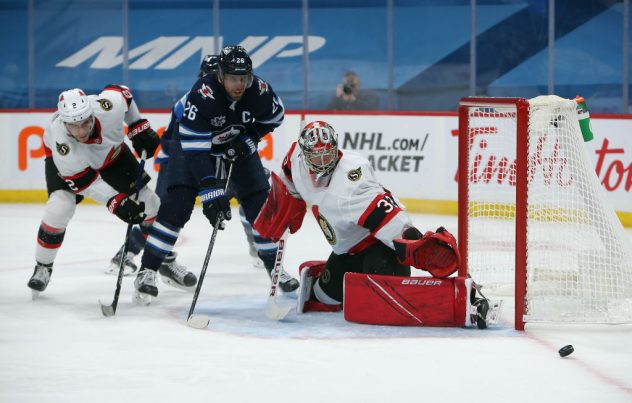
x: 74, y: 106
x: 319, y: 145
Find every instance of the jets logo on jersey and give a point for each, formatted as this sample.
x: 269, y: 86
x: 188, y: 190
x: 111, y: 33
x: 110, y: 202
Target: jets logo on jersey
x: 228, y: 134
x: 328, y: 230
x: 355, y: 174
x: 63, y: 148
x: 263, y: 87
x: 218, y: 121
x: 206, y: 92
x: 106, y: 105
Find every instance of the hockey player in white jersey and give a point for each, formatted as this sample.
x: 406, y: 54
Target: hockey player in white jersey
x: 86, y: 156
x: 367, y: 227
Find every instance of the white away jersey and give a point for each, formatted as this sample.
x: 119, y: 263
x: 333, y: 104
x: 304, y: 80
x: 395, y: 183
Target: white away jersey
x: 76, y: 160
x: 353, y: 210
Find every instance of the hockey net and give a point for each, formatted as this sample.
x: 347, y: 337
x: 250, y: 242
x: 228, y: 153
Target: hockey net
x: 533, y: 219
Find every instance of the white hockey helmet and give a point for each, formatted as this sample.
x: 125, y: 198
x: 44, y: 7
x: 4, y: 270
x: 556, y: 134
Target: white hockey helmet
x: 74, y: 106
x: 319, y: 145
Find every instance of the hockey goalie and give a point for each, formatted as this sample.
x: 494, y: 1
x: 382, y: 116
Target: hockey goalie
x: 373, y: 240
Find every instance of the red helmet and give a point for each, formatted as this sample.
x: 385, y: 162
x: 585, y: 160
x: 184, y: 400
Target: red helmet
x: 319, y: 145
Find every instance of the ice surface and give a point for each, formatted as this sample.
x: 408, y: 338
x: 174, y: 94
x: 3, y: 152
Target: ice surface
x: 60, y: 348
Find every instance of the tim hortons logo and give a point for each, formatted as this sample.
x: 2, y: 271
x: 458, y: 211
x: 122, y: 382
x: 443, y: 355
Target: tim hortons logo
x: 410, y: 281
x: 487, y: 167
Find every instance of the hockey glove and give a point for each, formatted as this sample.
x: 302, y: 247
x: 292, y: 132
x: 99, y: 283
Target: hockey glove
x: 215, y: 204
x: 435, y: 252
x: 143, y: 138
x: 242, y: 147
x: 129, y: 210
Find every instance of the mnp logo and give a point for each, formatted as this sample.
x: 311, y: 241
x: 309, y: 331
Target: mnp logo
x: 169, y: 52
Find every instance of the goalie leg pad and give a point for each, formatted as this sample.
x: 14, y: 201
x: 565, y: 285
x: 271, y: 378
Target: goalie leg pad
x: 407, y: 301
x: 310, y: 273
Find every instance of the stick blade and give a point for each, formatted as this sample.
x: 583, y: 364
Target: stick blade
x: 107, y: 310
x: 275, y: 311
x: 198, y: 321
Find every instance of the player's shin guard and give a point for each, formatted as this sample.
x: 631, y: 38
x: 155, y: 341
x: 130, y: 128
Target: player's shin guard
x: 49, y: 240
x: 409, y: 301
x: 249, y: 231
x: 160, y: 242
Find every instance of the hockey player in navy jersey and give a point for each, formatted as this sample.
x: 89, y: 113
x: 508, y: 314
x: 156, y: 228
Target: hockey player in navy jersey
x: 225, y: 116
x: 137, y: 239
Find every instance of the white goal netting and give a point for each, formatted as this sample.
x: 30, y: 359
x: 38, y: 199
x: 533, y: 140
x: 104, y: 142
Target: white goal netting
x: 579, y: 259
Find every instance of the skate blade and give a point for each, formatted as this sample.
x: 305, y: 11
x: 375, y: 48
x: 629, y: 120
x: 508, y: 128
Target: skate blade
x: 175, y: 284
x: 113, y: 270
x: 258, y: 263
x: 198, y: 321
x: 35, y: 295
x: 495, y: 310
x: 142, y: 299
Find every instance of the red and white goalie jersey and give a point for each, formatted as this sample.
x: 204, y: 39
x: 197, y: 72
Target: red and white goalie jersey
x: 353, y: 210
x: 74, y: 160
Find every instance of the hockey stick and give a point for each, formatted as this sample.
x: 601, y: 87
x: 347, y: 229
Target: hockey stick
x: 202, y: 321
x: 273, y: 310
x: 110, y: 310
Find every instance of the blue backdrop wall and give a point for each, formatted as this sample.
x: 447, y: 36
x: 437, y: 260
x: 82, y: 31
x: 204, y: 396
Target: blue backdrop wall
x: 413, y: 55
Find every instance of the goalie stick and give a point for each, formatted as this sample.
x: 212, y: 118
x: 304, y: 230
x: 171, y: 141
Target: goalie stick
x: 273, y: 310
x: 110, y: 310
x: 202, y: 321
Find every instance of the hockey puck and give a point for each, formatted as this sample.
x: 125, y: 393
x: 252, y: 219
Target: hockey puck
x: 566, y: 350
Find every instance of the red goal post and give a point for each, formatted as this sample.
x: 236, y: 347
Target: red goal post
x: 533, y: 219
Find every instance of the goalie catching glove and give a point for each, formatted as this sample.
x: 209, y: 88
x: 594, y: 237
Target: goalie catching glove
x: 280, y: 211
x: 143, y: 138
x: 435, y: 252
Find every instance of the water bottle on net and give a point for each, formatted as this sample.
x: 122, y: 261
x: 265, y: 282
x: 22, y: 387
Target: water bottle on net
x: 584, y: 118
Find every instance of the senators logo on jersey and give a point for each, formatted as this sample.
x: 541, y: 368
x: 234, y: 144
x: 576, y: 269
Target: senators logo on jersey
x: 106, y: 105
x: 355, y: 174
x: 62, y: 149
x: 327, y: 229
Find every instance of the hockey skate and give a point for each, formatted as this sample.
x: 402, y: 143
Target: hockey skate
x: 145, y: 287
x: 287, y: 283
x: 257, y: 263
x: 483, y: 311
x: 40, y: 278
x: 176, y: 275
x: 129, y: 267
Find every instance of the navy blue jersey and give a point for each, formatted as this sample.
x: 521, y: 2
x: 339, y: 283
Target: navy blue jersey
x: 212, y: 120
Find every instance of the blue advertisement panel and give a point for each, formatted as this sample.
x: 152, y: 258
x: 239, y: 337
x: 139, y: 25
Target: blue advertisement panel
x: 415, y: 56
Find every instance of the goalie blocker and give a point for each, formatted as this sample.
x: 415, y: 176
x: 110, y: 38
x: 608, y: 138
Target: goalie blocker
x: 280, y: 211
